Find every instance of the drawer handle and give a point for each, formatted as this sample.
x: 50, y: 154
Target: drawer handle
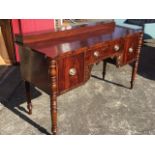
x: 130, y: 50
x: 96, y: 54
x: 72, y: 71
x: 116, y: 47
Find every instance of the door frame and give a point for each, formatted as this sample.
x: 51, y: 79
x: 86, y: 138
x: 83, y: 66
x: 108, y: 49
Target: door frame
x: 6, y: 29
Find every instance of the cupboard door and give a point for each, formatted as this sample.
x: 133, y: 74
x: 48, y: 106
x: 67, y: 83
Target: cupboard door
x: 71, y: 72
x: 131, y: 47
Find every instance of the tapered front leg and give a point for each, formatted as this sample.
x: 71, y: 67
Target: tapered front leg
x: 135, y: 65
x: 53, y: 98
x: 28, y: 96
x: 134, y: 71
x: 104, y: 68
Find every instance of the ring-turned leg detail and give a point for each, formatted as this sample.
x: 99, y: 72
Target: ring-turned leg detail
x: 53, y: 98
x: 135, y: 65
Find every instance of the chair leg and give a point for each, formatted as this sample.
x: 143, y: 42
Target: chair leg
x: 28, y: 96
x: 104, y: 68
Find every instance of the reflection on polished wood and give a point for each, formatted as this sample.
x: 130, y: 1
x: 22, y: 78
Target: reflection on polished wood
x: 60, y: 61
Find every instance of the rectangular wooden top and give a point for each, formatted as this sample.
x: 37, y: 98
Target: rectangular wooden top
x: 53, y: 43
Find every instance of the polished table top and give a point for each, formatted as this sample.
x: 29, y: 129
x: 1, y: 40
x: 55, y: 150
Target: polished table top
x: 54, y: 48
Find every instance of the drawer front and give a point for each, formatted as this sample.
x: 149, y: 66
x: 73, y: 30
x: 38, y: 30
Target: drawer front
x: 71, y: 72
x: 95, y: 55
x: 131, y: 47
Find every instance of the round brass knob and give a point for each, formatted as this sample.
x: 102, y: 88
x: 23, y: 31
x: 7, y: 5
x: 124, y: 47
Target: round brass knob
x: 72, y: 71
x: 130, y: 50
x: 116, y: 47
x: 96, y: 54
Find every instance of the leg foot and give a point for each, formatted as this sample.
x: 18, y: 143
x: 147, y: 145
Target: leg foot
x: 131, y: 87
x: 29, y: 107
x: 54, y: 116
x: 54, y: 132
x: 104, y: 69
x: 28, y: 96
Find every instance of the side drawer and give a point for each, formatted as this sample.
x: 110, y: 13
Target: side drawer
x: 71, y: 71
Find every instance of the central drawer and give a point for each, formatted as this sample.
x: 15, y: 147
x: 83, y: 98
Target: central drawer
x: 109, y: 49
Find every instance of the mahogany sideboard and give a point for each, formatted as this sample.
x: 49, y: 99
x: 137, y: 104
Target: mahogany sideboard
x: 58, y: 61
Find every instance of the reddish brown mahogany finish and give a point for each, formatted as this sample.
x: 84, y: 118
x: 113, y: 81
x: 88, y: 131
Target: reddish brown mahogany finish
x: 82, y: 31
x: 135, y: 66
x: 65, y: 62
x: 53, y: 85
x: 67, y: 81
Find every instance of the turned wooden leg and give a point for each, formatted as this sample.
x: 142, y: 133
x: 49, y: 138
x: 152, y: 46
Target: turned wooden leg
x: 104, y: 68
x: 135, y: 65
x: 54, y: 114
x: 28, y: 96
x: 53, y: 100
x: 134, y: 71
